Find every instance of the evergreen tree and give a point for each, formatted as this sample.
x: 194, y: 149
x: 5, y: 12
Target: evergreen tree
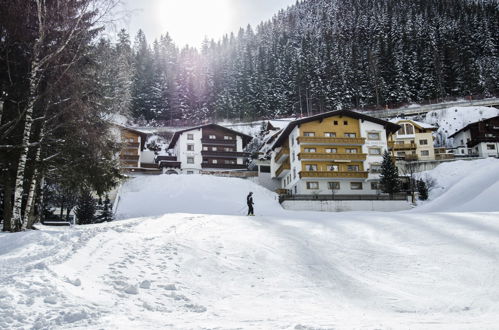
x: 107, y: 212
x: 85, y: 209
x: 422, y: 190
x: 389, y: 178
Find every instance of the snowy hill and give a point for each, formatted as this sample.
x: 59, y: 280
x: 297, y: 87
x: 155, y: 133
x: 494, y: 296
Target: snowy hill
x: 464, y: 186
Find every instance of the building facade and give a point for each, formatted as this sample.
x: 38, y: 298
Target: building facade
x: 413, y: 141
x: 338, y: 152
x: 133, y: 143
x: 206, y: 148
x: 479, y: 139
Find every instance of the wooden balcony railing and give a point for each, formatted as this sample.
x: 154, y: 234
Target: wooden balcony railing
x: 330, y: 156
x: 224, y: 154
x: 281, y: 153
x: 132, y: 145
x: 330, y: 140
x: 286, y: 166
x: 331, y: 174
x: 219, y: 142
x: 401, y: 146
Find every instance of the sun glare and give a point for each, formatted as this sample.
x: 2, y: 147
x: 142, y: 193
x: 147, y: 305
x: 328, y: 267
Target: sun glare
x: 189, y: 21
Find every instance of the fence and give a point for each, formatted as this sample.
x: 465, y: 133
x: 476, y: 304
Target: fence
x: 396, y: 197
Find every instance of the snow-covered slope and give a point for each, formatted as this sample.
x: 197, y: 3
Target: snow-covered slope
x: 204, y: 194
x: 180, y: 271
x: 464, y: 186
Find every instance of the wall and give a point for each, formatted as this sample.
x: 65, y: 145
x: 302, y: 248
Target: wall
x: 182, y: 153
x: 343, y: 206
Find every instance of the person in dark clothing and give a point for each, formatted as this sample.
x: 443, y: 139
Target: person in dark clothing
x: 249, y: 200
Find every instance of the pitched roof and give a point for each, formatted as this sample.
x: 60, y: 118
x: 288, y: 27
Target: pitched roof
x: 143, y: 135
x: 472, y: 124
x: 176, y: 135
x: 415, y: 122
x: 390, y: 127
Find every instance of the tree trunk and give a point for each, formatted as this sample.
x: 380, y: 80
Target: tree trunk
x: 7, y: 207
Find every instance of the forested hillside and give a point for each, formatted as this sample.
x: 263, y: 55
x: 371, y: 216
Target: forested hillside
x: 320, y: 55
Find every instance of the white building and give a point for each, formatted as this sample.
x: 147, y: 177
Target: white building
x: 478, y: 139
x: 206, y: 148
x: 338, y: 152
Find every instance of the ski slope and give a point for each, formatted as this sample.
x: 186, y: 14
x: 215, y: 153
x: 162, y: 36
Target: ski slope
x: 190, y: 260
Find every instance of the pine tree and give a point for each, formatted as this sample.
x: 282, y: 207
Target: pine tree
x: 85, y: 209
x: 422, y: 190
x: 389, y: 175
x: 107, y: 213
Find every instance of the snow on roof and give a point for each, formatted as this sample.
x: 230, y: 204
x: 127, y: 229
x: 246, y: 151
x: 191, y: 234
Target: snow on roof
x: 418, y: 123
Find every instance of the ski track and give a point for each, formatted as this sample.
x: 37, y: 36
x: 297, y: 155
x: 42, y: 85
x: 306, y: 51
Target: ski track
x: 185, y: 271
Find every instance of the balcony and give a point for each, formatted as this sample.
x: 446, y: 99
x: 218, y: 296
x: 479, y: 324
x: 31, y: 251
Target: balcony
x: 286, y: 166
x: 218, y: 142
x: 224, y: 154
x: 224, y: 166
x: 401, y: 146
x: 330, y: 140
x: 283, y: 152
x: 169, y: 164
x: 330, y: 156
x: 331, y: 174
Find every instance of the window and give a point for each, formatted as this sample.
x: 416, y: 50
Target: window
x: 190, y: 147
x: 190, y: 172
x: 212, y: 137
x: 491, y: 147
x: 345, y: 122
x: 335, y: 122
x: 356, y: 185
x: 333, y: 185
x: 375, y: 168
x: 311, y: 167
x: 331, y: 150
x: 308, y: 134
x: 205, y: 148
x: 312, y: 185
x: 229, y: 161
x: 190, y: 160
x: 400, y: 153
x: 373, y: 136
x: 375, y: 186
x: 190, y: 136
x: 423, y: 142
x: 293, y: 156
x: 425, y: 153
x: 334, y: 168
x: 406, y: 129
x: 227, y: 137
x: 353, y: 168
x: 214, y: 149
x: 131, y: 140
x: 294, y: 173
x: 228, y: 149
x: 330, y: 134
x: 265, y: 169
x: 214, y: 161
x: 292, y: 140
x: 374, y: 151
x: 351, y: 150
x: 310, y: 150
x: 350, y: 135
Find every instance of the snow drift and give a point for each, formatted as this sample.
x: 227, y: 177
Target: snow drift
x: 464, y: 186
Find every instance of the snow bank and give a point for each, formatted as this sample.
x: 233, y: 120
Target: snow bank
x: 464, y: 186
x: 157, y: 195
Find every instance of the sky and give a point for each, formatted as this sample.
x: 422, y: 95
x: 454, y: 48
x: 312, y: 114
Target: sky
x: 190, y: 21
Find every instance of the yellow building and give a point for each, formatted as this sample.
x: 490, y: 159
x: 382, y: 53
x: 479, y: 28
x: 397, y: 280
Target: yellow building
x: 335, y: 152
x: 413, y: 141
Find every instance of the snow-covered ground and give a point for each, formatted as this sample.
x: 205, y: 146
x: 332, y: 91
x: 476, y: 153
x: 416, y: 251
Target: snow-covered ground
x: 277, y: 270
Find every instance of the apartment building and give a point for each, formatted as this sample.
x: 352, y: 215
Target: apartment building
x: 338, y: 152
x: 478, y: 139
x: 413, y: 141
x: 205, y: 148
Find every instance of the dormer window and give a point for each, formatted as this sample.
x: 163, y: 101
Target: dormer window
x: 406, y: 129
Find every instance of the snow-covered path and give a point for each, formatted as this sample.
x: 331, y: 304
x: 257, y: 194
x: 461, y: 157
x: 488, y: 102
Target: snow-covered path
x: 186, y: 271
